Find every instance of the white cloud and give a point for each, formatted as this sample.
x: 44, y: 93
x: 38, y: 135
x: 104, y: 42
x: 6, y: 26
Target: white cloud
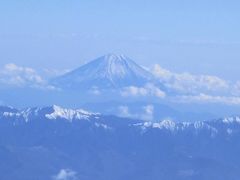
x: 189, y: 83
x: 161, y: 73
x: 147, y: 90
x: 191, y: 88
x: 66, y: 174
x: 49, y: 73
x: 205, y: 98
x: 95, y: 91
x: 146, y: 113
x: 124, y: 111
x: 236, y: 89
x: 15, y: 75
x: 18, y: 76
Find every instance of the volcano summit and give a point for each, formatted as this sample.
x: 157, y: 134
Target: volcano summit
x: 107, y: 72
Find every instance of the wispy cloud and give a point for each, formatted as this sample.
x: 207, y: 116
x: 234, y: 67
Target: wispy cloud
x: 66, y: 174
x: 205, y: 98
x: 147, y: 90
x: 185, y: 42
x: 236, y: 89
x: 95, y: 91
x: 54, y: 72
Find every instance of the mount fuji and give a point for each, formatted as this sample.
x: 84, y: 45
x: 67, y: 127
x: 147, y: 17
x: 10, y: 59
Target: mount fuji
x: 107, y: 72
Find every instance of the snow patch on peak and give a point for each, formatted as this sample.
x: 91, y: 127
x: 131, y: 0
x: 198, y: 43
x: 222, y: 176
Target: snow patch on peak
x: 117, y: 65
x: 115, y: 57
x: 101, y: 125
x: 231, y: 120
x: 25, y: 114
x: 165, y: 124
x: 69, y: 114
x: 176, y: 127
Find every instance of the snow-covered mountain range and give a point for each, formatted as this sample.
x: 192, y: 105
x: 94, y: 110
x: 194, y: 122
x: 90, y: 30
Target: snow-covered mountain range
x: 53, y: 112
x: 44, y: 142
x: 225, y: 125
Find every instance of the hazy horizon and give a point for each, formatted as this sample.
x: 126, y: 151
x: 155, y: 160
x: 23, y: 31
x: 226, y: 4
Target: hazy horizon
x: 195, y: 37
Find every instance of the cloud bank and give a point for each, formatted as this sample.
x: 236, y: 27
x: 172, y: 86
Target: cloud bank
x: 190, y: 88
x: 189, y: 83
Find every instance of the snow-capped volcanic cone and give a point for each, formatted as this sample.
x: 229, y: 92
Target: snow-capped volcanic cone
x: 107, y: 72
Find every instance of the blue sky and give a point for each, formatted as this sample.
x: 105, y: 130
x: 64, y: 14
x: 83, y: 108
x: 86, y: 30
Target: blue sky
x: 199, y: 37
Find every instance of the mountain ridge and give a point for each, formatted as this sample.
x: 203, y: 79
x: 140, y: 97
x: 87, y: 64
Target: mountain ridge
x: 107, y: 147
x: 55, y: 112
